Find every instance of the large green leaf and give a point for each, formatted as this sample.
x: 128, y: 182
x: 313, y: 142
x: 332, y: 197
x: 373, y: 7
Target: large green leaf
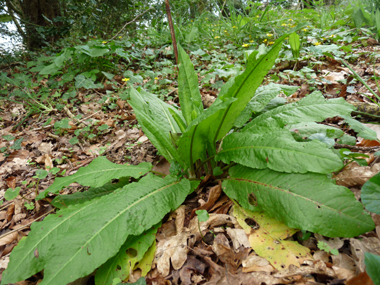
x: 362, y: 130
x: 131, y: 252
x: 278, y: 151
x: 244, y: 88
x: 157, y: 123
x: 313, y: 107
x: 62, y: 201
x: 188, y: 90
x: 370, y: 194
x: 96, y: 174
x: 263, y: 95
x: 372, y: 263
x: 80, y: 238
x: 304, y: 201
x: 194, y: 142
x: 5, y: 18
x: 306, y: 129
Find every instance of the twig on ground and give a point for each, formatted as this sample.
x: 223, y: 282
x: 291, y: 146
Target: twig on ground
x: 126, y: 24
x: 27, y: 225
x: 366, y: 148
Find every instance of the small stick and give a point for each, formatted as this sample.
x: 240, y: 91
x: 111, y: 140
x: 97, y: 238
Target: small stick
x: 357, y: 147
x: 28, y: 224
x: 126, y: 24
x: 170, y: 20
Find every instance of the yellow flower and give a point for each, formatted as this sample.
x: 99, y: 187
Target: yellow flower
x: 305, y: 30
x: 270, y: 35
x: 290, y: 20
x: 104, y: 42
x: 317, y: 43
x: 332, y: 36
x: 156, y: 78
x: 216, y: 37
x: 265, y: 40
x: 234, y: 27
x: 257, y: 16
x: 245, y: 45
x: 225, y: 31
x: 293, y: 26
x: 307, y: 26
x: 284, y: 25
x: 191, y: 21
x: 324, y: 39
x: 120, y: 37
x: 251, y: 41
x: 125, y: 79
x: 270, y: 43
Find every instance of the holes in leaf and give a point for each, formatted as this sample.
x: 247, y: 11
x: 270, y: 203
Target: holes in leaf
x: 252, y: 199
x: 131, y: 252
x: 118, y: 267
x: 318, y: 207
x: 252, y: 223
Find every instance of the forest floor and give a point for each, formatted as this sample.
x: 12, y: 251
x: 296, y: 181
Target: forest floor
x: 29, y: 143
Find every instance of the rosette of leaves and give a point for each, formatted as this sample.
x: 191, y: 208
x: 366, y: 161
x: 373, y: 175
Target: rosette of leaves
x: 262, y: 166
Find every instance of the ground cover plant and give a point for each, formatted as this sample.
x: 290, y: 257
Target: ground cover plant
x: 284, y: 163
x: 274, y: 172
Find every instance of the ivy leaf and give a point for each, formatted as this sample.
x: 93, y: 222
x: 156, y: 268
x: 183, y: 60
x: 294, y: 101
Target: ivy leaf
x: 372, y: 263
x: 10, y: 194
x: 203, y: 216
x: 370, y: 194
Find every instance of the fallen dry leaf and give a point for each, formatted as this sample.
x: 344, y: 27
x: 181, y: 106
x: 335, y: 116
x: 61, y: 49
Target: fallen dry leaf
x: 268, y: 240
x: 355, y: 175
x: 8, y: 238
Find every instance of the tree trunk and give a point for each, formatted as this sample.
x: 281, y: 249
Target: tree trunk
x: 39, y: 14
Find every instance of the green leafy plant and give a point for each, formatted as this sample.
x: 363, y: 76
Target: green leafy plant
x: 372, y: 263
x: 295, y: 44
x: 324, y: 246
x: 260, y: 163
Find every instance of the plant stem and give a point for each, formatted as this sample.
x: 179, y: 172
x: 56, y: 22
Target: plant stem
x: 158, y: 173
x: 362, y: 81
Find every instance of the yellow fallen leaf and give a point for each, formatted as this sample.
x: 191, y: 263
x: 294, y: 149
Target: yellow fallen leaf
x: 268, y: 239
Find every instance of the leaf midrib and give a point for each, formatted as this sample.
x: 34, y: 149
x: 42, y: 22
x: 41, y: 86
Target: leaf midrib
x: 49, y: 232
x: 273, y: 148
x: 297, y: 195
x: 109, y: 222
x: 63, y: 183
x: 241, y: 85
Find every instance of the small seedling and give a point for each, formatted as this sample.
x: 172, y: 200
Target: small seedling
x: 323, y: 246
x: 203, y: 216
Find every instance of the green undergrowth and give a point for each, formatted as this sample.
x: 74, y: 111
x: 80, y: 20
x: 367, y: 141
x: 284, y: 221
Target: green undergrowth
x: 244, y: 139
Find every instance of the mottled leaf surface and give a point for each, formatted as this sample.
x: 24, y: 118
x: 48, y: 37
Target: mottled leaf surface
x: 278, y: 151
x: 304, y: 201
x: 313, y: 107
x: 188, y: 90
x: 96, y: 174
x: 130, y: 253
x: 370, y: 194
x: 71, y: 243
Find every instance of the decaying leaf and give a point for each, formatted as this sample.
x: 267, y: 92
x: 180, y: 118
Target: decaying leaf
x: 268, y: 240
x: 355, y: 175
